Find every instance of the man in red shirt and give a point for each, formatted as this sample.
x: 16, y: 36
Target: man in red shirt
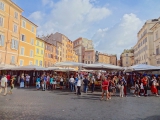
x: 145, y: 84
x: 105, y: 84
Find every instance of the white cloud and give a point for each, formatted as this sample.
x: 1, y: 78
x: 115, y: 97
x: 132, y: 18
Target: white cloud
x: 47, y: 3
x: 121, y: 36
x: 36, y: 16
x: 70, y: 17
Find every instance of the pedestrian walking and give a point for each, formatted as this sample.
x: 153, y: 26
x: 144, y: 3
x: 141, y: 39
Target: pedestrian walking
x: 4, y: 85
x: 61, y: 82
x: 71, y: 81
x: 92, y: 84
x: 121, y: 87
x: 27, y: 80
x: 79, y: 87
x: 137, y: 87
x: 86, y: 82
x: 22, y: 81
x: 38, y: 83
x: 154, y: 86
x: 145, y: 84
x: 75, y: 82
x: 105, y: 85
x: 12, y: 84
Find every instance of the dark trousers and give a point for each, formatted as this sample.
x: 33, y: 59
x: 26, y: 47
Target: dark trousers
x: 92, y: 87
x: 145, y: 90
x: 79, y: 90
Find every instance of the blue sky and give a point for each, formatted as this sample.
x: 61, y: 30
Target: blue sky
x: 111, y: 24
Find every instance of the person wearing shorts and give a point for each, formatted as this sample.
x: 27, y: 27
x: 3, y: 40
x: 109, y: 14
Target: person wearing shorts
x: 105, y: 84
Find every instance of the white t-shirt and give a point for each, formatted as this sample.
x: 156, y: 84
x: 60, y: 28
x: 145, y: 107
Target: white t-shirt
x: 79, y: 82
x: 27, y: 78
x: 61, y: 80
x: 71, y: 80
x: 3, y: 81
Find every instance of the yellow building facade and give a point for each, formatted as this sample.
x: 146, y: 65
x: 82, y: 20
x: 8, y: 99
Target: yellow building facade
x: 10, y: 23
x: 39, y: 52
x: 26, y: 44
x: 104, y: 58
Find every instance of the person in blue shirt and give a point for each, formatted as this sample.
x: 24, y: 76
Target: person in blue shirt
x: 44, y: 80
x: 75, y: 83
x: 38, y: 82
x: 51, y: 82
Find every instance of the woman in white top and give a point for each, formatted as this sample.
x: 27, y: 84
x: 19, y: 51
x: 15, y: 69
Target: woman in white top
x: 79, y: 87
x: 61, y: 83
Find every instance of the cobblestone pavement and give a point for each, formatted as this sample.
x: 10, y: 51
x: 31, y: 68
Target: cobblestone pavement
x: 30, y: 104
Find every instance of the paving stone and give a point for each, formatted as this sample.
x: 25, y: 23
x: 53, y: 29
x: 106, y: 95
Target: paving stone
x: 30, y: 104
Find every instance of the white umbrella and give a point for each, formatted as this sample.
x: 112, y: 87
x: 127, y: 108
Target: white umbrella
x: 141, y: 67
x: 52, y: 68
x: 29, y: 67
x: 68, y: 64
x: 101, y: 66
x: 6, y: 67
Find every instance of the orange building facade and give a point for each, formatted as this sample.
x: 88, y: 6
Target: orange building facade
x: 10, y: 23
x: 26, y: 44
x: 49, y: 56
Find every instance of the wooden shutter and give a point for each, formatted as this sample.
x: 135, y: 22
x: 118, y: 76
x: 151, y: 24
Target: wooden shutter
x: 2, y: 40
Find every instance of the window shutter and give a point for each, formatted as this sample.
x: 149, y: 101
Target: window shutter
x: 24, y: 38
x: 2, y: 40
x: 2, y: 6
x: 12, y: 44
x: 16, y: 45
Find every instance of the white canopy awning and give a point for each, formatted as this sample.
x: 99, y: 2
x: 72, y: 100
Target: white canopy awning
x: 53, y: 68
x: 29, y: 67
x: 6, y: 67
x: 101, y: 66
x: 68, y: 64
x: 141, y: 67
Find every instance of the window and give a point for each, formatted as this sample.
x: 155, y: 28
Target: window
x: 42, y: 52
x: 22, y: 50
x: 12, y: 59
x: 32, y: 29
x: 31, y: 53
x: 21, y: 62
x: 42, y: 45
x: 15, y: 28
x: 37, y: 62
x: 23, y: 37
x: 126, y: 62
x: 1, y: 21
x: 40, y: 63
x: 14, y: 44
x: 30, y: 63
x: 16, y: 15
x: 157, y: 50
x: 32, y: 41
x: 37, y: 43
x: 1, y: 40
x: 37, y: 51
x: 23, y: 24
x: 1, y: 5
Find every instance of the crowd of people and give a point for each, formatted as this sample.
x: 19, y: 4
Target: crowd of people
x: 78, y: 82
